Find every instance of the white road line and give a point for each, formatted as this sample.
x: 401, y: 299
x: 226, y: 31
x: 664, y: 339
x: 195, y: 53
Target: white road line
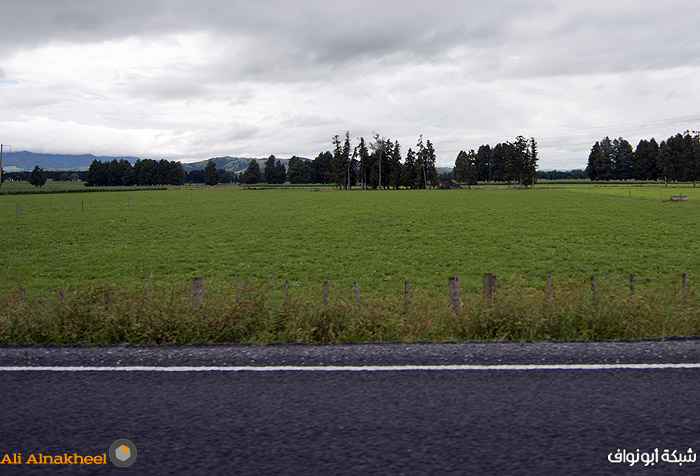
x: 352, y: 368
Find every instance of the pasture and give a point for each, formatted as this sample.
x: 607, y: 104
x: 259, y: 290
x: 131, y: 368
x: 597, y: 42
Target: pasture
x: 75, y: 266
x: 304, y: 236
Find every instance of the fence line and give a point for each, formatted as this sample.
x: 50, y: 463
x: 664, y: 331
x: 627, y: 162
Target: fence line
x: 410, y: 292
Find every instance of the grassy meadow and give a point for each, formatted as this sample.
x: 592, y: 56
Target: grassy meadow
x: 121, y: 240
x: 305, y: 236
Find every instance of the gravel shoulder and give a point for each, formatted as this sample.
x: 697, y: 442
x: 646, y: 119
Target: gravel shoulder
x: 673, y: 350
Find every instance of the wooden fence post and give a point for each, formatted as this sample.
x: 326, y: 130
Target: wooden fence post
x: 22, y: 295
x: 148, y: 290
x: 549, y: 287
x: 631, y: 284
x: 196, y: 292
x: 490, y: 285
x: 487, y: 285
x: 358, y: 296
x: 106, y: 297
x: 685, y: 285
x: 82, y: 205
x: 325, y: 293
x: 61, y: 299
x: 454, y: 294
x: 286, y: 291
x: 595, y: 297
x: 405, y: 296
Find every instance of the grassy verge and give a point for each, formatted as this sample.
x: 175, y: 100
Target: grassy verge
x: 257, y: 313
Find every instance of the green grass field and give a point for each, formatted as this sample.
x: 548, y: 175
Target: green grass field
x: 306, y: 236
x: 100, y: 260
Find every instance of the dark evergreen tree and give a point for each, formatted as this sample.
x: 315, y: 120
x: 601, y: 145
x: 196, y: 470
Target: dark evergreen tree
x: 533, y: 158
x: 483, y: 163
x: 600, y: 161
x: 429, y: 163
x: 280, y: 172
x: 690, y: 161
x: 252, y: 175
x: 426, y: 160
x: 128, y: 176
x: 37, y: 177
x: 622, y: 159
x: 644, y: 164
x: 195, y: 176
x: 176, y: 174
x: 499, y: 157
x: 269, y: 172
x: 408, y: 171
x: 350, y: 163
x: 461, y: 168
x: 421, y: 172
x: 148, y: 173
x: 593, y: 160
x: 362, y: 157
x: 519, y: 166
x: 300, y: 171
x: 322, y: 167
x: 211, y: 175
x: 162, y: 170
x: 114, y: 173
x: 137, y: 171
x: 395, y: 166
x: 665, y: 162
x: 386, y: 162
x: 338, y: 165
x: 472, y: 171
x: 97, y: 174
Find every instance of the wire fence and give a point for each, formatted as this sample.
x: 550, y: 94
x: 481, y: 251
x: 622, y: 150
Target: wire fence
x: 473, y: 308
x: 451, y: 289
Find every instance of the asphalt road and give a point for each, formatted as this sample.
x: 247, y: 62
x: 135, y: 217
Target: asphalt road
x: 530, y: 421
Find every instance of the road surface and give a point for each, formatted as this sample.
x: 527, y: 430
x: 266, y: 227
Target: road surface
x: 414, y: 409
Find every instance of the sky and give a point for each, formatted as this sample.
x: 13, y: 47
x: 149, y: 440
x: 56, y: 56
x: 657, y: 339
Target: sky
x: 186, y: 80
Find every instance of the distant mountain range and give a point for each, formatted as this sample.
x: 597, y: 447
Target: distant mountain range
x: 26, y: 161
x: 232, y: 164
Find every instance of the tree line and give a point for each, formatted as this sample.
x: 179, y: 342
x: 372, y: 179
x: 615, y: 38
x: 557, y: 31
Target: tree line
x: 368, y: 165
x: 675, y: 159
x: 143, y: 172
x: 511, y: 162
x: 576, y: 174
x: 57, y: 175
x: 373, y: 165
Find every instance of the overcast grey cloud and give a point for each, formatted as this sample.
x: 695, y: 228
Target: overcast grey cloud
x: 190, y: 80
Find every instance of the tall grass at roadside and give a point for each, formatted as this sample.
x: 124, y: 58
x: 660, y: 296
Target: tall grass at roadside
x: 255, y: 313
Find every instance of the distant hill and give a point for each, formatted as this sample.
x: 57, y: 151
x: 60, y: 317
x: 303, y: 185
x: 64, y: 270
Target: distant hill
x: 232, y: 164
x: 26, y: 161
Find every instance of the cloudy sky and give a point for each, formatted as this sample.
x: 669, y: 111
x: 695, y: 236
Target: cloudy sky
x: 188, y: 80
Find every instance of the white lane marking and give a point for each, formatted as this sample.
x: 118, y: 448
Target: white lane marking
x: 352, y: 368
